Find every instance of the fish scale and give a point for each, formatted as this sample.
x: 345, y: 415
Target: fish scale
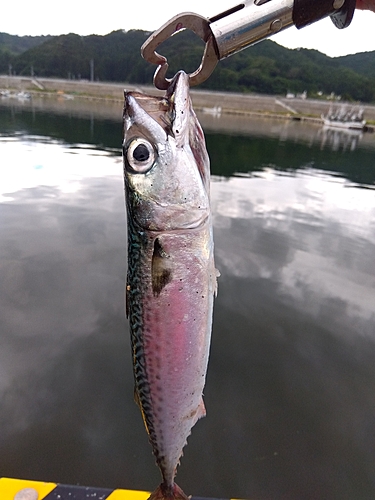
x: 171, y: 278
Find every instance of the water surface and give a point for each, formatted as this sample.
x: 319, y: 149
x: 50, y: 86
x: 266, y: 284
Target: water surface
x: 290, y: 391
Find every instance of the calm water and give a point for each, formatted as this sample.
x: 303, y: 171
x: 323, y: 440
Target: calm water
x: 290, y: 392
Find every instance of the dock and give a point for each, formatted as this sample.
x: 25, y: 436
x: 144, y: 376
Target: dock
x: 21, y: 489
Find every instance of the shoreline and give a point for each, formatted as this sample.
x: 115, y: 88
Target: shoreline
x: 210, y: 102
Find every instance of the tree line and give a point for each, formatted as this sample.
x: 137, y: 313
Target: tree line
x: 264, y: 68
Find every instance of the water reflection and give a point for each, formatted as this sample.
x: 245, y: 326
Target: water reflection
x: 347, y: 140
x: 62, y: 267
x: 78, y: 120
x: 304, y: 229
x: 290, y: 393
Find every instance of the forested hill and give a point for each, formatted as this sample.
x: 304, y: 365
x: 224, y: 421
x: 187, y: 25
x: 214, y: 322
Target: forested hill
x: 363, y: 63
x: 266, y: 67
x: 14, y: 44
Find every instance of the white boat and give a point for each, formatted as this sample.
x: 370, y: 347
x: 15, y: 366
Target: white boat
x: 23, y: 96
x: 344, y: 119
x: 215, y: 111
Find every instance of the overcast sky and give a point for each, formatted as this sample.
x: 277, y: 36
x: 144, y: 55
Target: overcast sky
x: 42, y: 17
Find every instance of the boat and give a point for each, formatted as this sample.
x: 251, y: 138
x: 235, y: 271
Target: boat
x: 215, y: 111
x: 23, y: 96
x: 344, y: 118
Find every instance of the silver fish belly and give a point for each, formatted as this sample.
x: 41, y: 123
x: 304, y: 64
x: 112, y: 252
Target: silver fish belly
x: 171, y: 278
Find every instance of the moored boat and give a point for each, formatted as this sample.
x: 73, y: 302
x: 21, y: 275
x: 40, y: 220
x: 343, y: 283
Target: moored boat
x: 344, y: 118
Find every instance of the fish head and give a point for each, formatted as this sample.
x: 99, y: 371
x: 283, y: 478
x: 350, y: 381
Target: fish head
x: 166, y: 165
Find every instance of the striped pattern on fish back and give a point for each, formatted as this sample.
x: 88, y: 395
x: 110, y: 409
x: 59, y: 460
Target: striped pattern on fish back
x: 137, y: 245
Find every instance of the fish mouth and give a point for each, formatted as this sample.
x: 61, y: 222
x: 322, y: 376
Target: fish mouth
x: 164, y: 110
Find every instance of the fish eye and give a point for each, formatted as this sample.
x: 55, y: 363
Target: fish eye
x: 140, y: 155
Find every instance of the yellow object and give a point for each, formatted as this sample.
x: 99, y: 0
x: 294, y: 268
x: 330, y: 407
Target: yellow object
x: 128, y: 495
x: 10, y: 487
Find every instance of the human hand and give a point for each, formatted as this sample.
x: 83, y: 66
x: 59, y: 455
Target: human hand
x: 365, y: 5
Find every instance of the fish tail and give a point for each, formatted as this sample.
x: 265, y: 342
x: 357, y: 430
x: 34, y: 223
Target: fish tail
x: 166, y: 492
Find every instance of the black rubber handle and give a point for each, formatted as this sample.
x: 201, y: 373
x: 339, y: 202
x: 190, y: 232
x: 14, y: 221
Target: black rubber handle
x: 343, y: 17
x: 309, y: 11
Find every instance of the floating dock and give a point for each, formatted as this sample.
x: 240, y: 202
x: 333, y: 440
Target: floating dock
x: 20, y: 489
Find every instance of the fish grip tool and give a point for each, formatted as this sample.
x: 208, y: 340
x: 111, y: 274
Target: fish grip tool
x: 187, y: 20
x: 239, y: 27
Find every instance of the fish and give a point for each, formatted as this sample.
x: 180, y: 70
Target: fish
x: 171, y: 276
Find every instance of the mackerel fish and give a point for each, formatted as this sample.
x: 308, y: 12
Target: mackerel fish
x: 171, y: 277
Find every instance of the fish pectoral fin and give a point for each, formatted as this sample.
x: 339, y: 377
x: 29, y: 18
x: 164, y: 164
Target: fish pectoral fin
x: 161, y: 273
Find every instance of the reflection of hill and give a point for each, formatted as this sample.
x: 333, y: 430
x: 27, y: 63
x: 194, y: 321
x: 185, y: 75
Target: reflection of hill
x: 287, y: 150
x: 250, y: 144
x: 236, y: 144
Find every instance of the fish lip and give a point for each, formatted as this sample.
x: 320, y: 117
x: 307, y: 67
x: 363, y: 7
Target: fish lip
x: 179, y: 85
x: 178, y: 97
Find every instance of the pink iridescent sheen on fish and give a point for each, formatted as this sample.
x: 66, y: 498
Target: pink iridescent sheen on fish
x: 171, y: 279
